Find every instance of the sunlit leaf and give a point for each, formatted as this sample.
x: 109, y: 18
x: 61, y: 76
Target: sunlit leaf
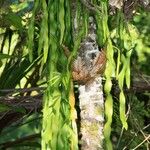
x: 14, y: 20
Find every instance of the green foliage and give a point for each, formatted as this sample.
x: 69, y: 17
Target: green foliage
x: 18, y: 130
x: 29, y: 126
x: 14, y: 20
x: 137, y: 131
x: 4, y: 108
x: 3, y: 56
x: 31, y: 54
x: 57, y: 130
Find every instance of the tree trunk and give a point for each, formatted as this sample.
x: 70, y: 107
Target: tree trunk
x: 86, y: 70
x: 92, y: 115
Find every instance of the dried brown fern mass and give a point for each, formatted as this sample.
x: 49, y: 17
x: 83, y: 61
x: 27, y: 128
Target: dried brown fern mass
x: 85, y: 70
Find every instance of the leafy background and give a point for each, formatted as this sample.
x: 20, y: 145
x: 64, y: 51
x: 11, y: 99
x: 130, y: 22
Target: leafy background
x: 22, y: 81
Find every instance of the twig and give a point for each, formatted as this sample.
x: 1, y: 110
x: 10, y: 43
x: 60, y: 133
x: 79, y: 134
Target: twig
x: 22, y: 90
x: 139, y: 128
x: 146, y: 126
x: 141, y: 143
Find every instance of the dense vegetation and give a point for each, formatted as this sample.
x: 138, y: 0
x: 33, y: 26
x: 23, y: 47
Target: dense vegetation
x: 29, y: 73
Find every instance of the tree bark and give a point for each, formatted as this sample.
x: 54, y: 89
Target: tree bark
x: 92, y: 115
x: 86, y: 70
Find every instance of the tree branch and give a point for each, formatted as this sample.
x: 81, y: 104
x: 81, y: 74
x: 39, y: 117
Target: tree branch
x: 34, y: 102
